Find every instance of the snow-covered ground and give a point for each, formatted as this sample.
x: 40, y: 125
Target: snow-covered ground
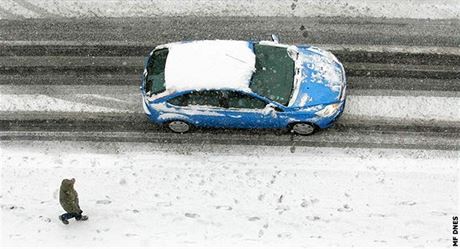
x: 441, y: 9
x: 139, y: 194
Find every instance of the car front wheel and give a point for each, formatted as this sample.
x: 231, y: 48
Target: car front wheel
x: 178, y: 126
x: 303, y: 128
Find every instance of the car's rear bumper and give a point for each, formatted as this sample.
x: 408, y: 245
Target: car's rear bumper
x: 151, y: 114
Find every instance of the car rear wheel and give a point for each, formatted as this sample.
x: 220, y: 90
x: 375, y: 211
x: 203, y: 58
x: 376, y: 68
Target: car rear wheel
x: 178, y: 126
x: 303, y: 128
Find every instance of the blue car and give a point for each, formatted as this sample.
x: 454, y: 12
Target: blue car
x: 243, y: 84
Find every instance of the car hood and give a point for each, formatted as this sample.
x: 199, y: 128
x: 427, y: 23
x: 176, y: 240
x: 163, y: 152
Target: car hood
x: 320, y: 78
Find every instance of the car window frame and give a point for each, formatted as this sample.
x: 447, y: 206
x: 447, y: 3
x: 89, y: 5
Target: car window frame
x: 248, y: 95
x: 226, y: 107
x: 187, y: 95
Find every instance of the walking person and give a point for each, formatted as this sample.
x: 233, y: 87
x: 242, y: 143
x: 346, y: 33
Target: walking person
x: 68, y: 198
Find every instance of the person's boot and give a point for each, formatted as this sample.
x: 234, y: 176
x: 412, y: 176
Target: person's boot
x: 83, y: 217
x: 64, y: 220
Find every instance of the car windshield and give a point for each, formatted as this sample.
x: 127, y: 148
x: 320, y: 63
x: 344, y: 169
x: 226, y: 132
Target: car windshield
x: 155, y: 80
x: 274, y: 76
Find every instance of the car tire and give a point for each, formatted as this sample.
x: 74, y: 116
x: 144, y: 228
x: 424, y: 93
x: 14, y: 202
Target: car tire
x: 179, y: 126
x: 303, y: 129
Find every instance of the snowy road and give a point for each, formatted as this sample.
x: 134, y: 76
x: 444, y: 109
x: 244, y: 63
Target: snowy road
x: 71, y: 93
x: 387, y: 174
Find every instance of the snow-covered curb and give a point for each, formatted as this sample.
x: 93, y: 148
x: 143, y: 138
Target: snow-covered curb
x: 445, y: 9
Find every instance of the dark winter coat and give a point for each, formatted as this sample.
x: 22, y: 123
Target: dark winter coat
x: 68, y: 197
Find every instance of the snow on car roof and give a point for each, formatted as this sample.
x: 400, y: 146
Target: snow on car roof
x: 214, y: 64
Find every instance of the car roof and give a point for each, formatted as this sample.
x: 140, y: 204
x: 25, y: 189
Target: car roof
x: 209, y: 64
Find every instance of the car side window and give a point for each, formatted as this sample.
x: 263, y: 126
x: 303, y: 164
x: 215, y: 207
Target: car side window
x: 200, y: 98
x: 244, y: 101
x: 180, y: 100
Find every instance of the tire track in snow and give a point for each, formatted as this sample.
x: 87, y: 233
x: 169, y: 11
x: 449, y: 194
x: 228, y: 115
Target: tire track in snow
x: 329, y: 138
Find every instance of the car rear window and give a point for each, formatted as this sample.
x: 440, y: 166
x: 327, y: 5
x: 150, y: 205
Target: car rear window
x: 155, y: 81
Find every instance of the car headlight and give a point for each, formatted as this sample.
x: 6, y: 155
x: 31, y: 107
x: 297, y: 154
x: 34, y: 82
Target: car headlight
x: 329, y: 110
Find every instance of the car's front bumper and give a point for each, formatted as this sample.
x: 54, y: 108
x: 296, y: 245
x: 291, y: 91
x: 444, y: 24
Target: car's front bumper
x: 325, y: 122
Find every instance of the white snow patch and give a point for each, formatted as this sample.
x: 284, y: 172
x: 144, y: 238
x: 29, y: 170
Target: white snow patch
x: 101, y: 97
x: 209, y: 65
x: 404, y: 107
x: 187, y: 111
x: 305, y: 99
x: 324, y: 53
x: 39, y: 102
x: 274, y: 44
x: 202, y: 110
x: 326, y: 70
x: 170, y: 116
x: 144, y: 106
x: 13, y: 8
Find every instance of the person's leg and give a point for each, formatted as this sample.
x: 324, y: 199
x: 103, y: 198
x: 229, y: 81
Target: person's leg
x: 68, y: 216
x: 64, y: 218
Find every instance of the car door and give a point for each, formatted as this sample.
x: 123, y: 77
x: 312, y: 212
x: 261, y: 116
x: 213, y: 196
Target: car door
x: 204, y: 108
x: 247, y: 111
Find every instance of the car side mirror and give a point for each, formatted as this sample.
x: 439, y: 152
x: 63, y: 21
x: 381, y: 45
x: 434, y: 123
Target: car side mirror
x: 271, y: 109
x: 275, y: 38
x: 274, y: 107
